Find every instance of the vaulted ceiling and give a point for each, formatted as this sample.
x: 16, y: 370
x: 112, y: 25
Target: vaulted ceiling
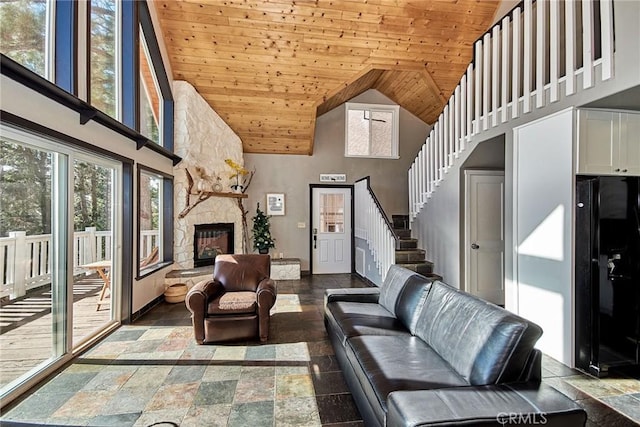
x: 269, y: 68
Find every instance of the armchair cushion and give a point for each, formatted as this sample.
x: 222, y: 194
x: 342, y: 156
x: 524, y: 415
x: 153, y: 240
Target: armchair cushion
x: 233, y: 303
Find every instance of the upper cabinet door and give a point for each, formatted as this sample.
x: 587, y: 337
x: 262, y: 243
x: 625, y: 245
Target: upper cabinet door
x: 630, y: 143
x: 597, y: 141
x: 608, y: 142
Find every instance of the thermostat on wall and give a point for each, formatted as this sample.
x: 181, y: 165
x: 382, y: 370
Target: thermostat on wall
x: 333, y: 177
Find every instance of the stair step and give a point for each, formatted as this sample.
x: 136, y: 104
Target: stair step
x: 406, y: 244
x: 412, y: 255
x: 400, y: 221
x: 424, y: 268
x: 403, y: 233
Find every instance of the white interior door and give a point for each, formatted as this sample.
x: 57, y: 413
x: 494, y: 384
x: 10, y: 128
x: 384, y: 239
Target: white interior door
x: 331, y: 227
x: 484, y: 234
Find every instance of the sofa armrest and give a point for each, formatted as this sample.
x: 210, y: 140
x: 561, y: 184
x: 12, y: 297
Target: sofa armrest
x: 496, y: 405
x: 266, y: 296
x: 367, y: 295
x: 197, y: 300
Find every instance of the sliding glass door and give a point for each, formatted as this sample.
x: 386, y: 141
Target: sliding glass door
x: 59, y: 257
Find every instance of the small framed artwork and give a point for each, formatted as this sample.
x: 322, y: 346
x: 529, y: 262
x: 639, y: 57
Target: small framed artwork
x: 275, y: 204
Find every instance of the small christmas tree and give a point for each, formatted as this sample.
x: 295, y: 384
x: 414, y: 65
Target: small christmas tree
x: 262, y: 239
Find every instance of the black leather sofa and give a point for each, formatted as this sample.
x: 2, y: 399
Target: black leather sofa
x: 420, y: 353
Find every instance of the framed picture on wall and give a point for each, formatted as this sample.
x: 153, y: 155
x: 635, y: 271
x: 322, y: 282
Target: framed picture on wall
x: 275, y: 204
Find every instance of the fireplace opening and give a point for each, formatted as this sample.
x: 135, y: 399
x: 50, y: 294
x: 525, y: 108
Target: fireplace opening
x: 210, y: 240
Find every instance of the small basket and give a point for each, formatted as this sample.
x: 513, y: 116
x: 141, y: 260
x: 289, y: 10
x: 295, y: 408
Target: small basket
x: 175, y: 293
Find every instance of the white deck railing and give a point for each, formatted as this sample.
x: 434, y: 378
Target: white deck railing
x: 372, y: 225
x: 521, y: 64
x: 25, y: 261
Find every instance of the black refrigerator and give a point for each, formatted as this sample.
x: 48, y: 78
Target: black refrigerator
x: 608, y: 274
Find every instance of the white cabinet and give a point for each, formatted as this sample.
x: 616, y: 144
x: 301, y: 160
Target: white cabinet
x: 608, y: 142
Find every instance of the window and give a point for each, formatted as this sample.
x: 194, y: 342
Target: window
x: 150, y: 218
x: 103, y: 30
x: 25, y: 33
x: 150, y: 114
x: 371, y: 130
x: 331, y: 213
x: 155, y: 220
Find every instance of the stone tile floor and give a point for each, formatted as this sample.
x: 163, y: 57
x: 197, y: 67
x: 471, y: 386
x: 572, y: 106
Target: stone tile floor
x: 152, y: 372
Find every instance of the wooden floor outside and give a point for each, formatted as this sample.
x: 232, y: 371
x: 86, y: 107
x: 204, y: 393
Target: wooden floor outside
x: 26, y: 325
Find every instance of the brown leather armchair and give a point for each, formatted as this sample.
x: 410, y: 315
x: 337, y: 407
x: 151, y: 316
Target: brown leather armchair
x: 235, y: 304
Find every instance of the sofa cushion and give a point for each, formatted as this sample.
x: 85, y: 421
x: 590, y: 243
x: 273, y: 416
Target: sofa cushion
x: 357, y: 318
x: 483, y: 342
x: 403, y: 293
x: 392, y: 286
x: 384, y: 364
x: 411, y: 301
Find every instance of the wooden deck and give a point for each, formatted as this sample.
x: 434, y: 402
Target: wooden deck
x: 26, y: 326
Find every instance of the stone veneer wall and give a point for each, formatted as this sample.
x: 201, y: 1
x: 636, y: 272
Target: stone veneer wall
x: 202, y: 139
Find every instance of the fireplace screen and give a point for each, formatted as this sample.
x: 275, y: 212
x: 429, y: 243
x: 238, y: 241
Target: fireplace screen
x: 210, y: 240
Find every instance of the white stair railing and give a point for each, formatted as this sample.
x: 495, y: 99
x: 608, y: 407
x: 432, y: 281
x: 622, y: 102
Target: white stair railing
x: 372, y: 225
x: 510, y: 76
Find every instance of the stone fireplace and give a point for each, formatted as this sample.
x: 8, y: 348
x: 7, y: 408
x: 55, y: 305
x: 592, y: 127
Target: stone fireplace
x: 210, y: 240
x: 203, y: 140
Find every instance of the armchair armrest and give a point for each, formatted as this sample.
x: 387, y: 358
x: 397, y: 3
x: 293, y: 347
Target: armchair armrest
x: 197, y: 300
x: 266, y: 296
x: 367, y: 295
x: 496, y: 405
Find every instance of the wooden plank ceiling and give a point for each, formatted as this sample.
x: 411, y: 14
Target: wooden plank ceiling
x: 269, y: 68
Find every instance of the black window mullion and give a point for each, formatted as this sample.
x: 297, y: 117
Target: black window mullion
x: 129, y: 87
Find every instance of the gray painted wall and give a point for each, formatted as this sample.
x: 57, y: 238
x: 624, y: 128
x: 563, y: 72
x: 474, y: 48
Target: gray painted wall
x: 292, y: 174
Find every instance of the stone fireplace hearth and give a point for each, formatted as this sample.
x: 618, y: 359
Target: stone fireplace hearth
x: 203, y: 140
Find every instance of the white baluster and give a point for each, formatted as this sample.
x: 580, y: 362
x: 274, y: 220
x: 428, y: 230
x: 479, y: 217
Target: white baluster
x: 606, y: 29
x: 516, y: 71
x: 570, y: 46
x: 554, y: 49
x: 587, y: 44
x: 478, y: 83
x: 495, y: 74
x: 541, y: 51
x: 528, y: 57
x: 506, y: 51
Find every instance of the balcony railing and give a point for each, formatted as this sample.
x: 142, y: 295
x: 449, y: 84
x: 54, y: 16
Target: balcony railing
x: 535, y: 56
x: 25, y: 261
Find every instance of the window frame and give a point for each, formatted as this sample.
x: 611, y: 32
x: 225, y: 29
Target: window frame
x: 165, y: 223
x: 395, y: 129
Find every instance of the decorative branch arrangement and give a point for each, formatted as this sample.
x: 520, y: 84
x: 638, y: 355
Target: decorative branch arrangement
x: 204, y: 192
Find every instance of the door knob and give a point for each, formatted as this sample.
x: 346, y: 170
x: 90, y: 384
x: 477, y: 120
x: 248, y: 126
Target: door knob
x: 474, y: 246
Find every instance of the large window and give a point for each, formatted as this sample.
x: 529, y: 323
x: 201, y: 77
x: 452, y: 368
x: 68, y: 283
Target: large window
x: 103, y: 54
x: 25, y: 33
x: 155, y: 219
x: 150, y: 106
x: 371, y: 130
